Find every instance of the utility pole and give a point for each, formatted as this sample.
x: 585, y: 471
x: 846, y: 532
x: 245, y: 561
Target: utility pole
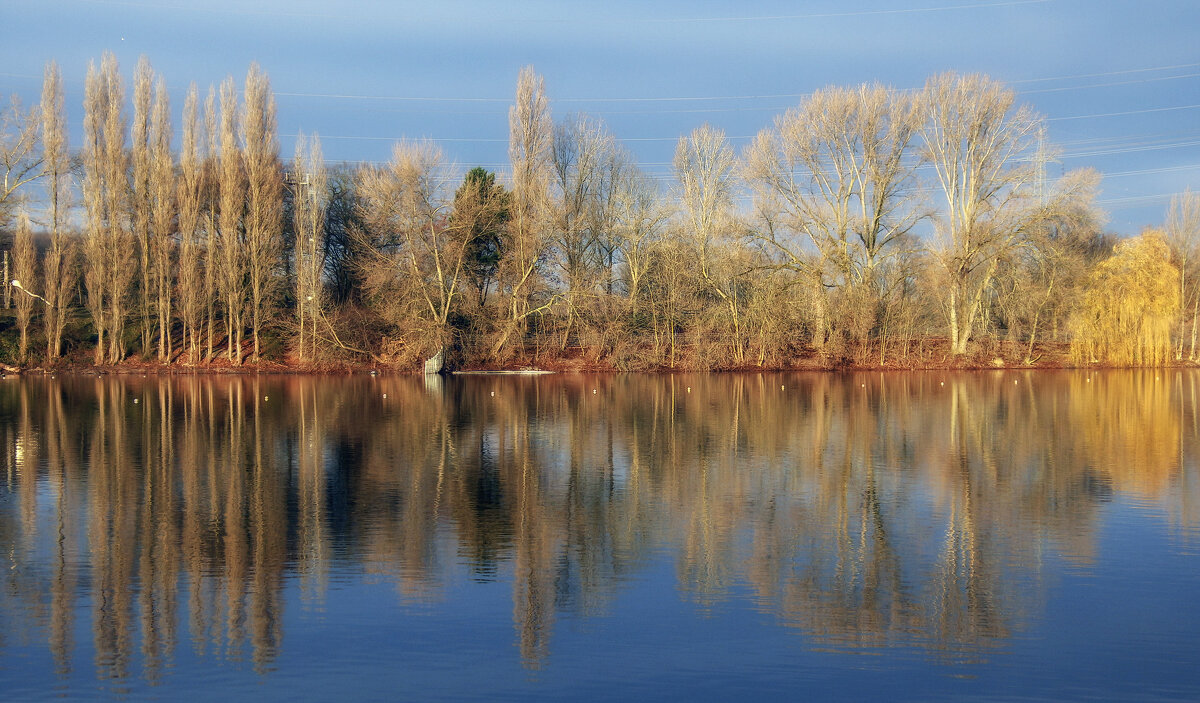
x: 305, y: 255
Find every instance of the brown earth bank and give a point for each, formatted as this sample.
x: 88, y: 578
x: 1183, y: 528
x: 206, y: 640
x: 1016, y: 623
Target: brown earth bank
x: 933, y: 356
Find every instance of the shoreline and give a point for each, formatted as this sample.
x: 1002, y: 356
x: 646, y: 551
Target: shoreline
x: 346, y: 369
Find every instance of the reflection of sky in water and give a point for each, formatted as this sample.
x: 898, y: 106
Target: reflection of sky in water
x: 916, y: 536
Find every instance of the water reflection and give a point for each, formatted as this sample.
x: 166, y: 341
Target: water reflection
x: 865, y: 510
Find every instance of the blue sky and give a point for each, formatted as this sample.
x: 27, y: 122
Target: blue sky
x: 1118, y: 80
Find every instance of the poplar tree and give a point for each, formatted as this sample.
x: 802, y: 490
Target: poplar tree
x: 59, y: 263
x: 264, y: 199
x: 211, y: 185
x: 163, y: 213
x: 25, y: 278
x: 230, y: 240
x: 141, y: 194
x: 191, y: 203
x: 108, y: 244
x: 530, y: 144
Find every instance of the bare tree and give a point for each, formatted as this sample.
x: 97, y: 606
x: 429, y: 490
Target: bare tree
x: 95, y: 275
x: 641, y: 213
x: 587, y: 167
x: 406, y: 209
x: 705, y: 171
x: 230, y: 238
x: 163, y: 214
x: 978, y: 143
x: 583, y: 155
x: 842, y: 165
x: 141, y: 195
x: 58, y: 265
x: 211, y: 181
x: 264, y: 199
x: 838, y: 173
x: 191, y: 199
x: 530, y: 141
x: 20, y: 160
x: 311, y: 184
x: 25, y: 273
x: 109, y: 244
x: 1041, y: 278
x: 1183, y: 236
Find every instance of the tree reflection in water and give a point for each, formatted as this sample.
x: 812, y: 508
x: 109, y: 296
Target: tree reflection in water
x: 866, y: 510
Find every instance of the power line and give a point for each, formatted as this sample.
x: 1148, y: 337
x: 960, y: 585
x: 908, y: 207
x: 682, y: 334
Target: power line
x: 762, y: 96
x: 1120, y: 114
x: 1108, y: 73
x: 858, y: 13
x: 1109, y: 85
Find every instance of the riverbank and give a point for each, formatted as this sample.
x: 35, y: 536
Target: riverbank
x: 991, y: 357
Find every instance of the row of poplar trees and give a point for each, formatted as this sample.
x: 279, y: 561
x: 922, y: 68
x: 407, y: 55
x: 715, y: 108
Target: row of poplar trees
x: 864, y: 225
x: 172, y: 253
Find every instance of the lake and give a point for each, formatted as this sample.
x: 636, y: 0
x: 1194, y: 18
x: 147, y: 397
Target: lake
x: 924, y: 536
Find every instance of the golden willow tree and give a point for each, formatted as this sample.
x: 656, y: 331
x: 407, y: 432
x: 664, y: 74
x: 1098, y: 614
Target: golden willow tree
x: 1129, y: 306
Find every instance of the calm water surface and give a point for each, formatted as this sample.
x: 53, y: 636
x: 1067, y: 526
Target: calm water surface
x: 1003, y: 535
